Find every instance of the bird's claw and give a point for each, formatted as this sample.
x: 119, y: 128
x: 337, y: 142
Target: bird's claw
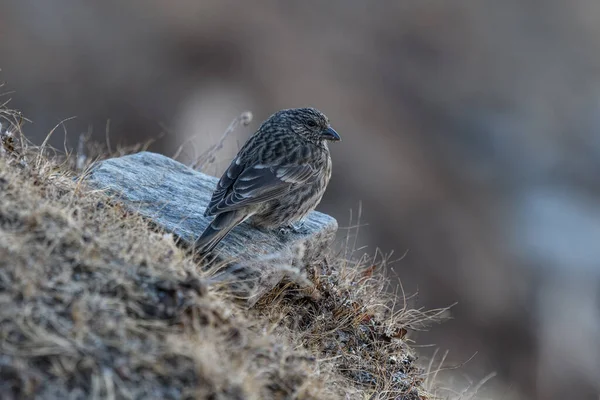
x: 292, y: 228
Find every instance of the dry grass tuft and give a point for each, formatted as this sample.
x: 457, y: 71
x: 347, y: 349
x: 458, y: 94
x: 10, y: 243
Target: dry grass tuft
x: 354, y: 328
x: 95, y: 304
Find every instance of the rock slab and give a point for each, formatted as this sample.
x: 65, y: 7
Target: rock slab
x: 174, y: 197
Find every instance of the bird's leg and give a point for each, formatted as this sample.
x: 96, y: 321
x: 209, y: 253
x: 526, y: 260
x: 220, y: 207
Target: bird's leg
x: 298, y: 227
x: 291, y: 227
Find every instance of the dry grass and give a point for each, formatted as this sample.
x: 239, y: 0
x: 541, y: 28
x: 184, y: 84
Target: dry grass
x: 95, y: 304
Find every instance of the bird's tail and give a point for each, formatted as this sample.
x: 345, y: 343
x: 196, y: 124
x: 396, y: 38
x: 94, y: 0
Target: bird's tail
x: 217, y: 230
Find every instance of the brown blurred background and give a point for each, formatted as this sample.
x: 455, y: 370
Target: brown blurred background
x: 470, y: 135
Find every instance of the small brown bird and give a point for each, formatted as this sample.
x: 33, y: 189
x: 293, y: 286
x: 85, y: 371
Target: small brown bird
x: 277, y: 177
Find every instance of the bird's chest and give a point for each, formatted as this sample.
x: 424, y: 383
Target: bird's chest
x: 300, y: 200
x: 305, y: 197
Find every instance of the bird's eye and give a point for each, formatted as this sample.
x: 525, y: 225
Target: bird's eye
x: 311, y: 123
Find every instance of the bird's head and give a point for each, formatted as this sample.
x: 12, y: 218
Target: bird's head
x: 308, y: 122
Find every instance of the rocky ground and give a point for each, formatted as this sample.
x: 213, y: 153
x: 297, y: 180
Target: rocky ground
x: 95, y: 303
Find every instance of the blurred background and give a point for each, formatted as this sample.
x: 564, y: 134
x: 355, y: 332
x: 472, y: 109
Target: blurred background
x: 470, y: 135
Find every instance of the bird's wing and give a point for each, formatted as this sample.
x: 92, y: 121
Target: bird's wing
x: 260, y: 183
x: 224, y: 185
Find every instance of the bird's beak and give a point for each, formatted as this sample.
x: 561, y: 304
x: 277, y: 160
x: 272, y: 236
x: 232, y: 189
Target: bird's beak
x: 330, y: 134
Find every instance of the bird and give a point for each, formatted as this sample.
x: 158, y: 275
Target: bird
x: 276, y: 179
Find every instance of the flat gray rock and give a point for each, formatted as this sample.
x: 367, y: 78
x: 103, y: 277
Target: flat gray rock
x: 174, y: 198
